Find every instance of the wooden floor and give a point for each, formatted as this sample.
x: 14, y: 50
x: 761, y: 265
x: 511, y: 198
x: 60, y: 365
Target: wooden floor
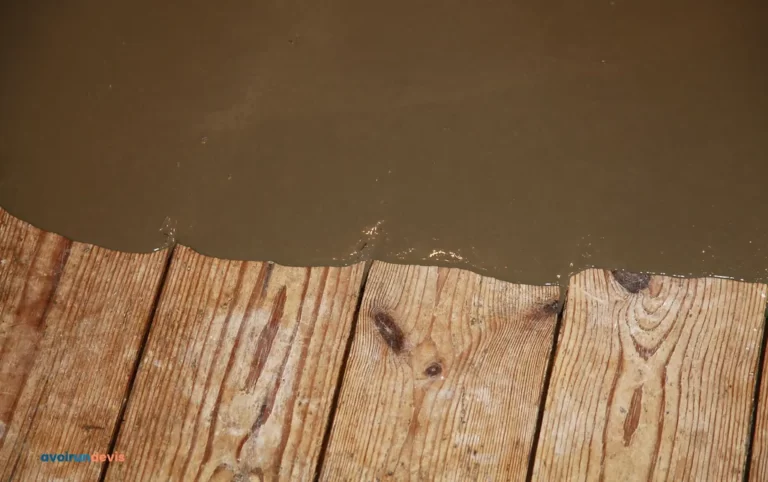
x: 187, y: 367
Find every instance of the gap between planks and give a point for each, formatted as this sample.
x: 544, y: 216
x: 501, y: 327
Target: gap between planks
x: 547, y: 381
x: 337, y: 388
x: 137, y: 362
x: 756, y: 406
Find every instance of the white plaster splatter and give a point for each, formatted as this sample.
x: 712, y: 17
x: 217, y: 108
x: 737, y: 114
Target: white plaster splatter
x: 442, y: 254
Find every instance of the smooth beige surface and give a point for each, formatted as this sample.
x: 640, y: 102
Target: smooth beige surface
x: 72, y: 317
x: 520, y: 139
x: 239, y: 372
x: 653, y: 379
x: 444, y: 378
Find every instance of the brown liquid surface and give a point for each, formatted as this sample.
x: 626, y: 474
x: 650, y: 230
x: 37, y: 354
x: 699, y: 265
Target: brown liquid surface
x: 523, y: 140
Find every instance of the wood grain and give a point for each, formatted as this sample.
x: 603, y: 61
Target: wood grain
x: 758, y: 471
x: 444, y: 378
x: 239, y: 372
x: 653, y: 379
x: 72, y: 318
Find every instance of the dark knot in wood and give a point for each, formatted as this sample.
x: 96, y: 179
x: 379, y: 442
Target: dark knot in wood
x: 389, y: 330
x: 632, y: 282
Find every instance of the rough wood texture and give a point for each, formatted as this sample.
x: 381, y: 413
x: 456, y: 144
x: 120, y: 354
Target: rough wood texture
x: 444, y: 378
x: 71, y: 321
x: 758, y: 471
x: 653, y: 379
x: 239, y: 372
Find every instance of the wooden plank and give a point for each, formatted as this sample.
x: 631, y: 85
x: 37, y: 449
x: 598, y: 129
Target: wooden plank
x: 444, y: 378
x: 239, y: 372
x: 72, y: 318
x: 653, y: 379
x: 758, y: 471
x: 31, y: 263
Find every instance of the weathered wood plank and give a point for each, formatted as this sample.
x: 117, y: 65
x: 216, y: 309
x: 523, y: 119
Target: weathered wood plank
x: 72, y: 318
x: 31, y: 262
x: 653, y: 379
x: 239, y: 372
x: 444, y: 378
x: 758, y: 471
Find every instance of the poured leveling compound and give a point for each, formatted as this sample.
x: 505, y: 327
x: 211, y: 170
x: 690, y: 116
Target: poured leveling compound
x: 524, y: 140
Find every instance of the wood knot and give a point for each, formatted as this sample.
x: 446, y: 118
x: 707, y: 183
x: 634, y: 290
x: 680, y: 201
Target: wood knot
x: 552, y: 307
x: 543, y: 314
x: 632, y: 282
x: 433, y: 370
x: 389, y: 330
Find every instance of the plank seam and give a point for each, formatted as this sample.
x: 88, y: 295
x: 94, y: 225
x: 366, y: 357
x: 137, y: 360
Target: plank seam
x: 137, y: 362
x: 756, y: 399
x: 342, y: 371
x: 545, y: 387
